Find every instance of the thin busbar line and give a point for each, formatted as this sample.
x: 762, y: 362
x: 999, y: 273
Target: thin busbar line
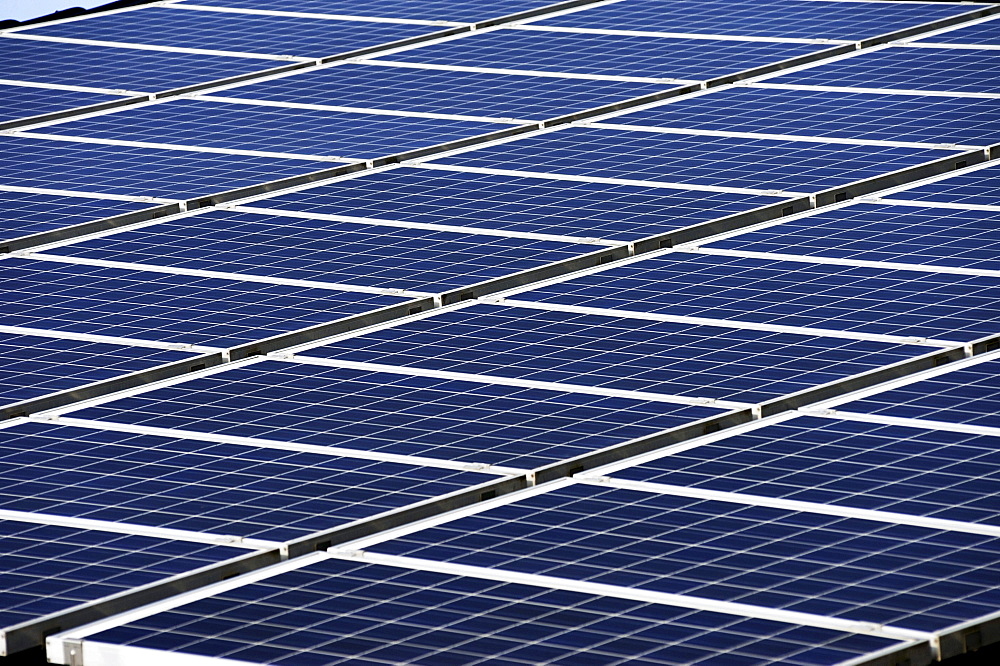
x: 925, y: 424
x: 153, y: 47
x: 521, y: 72
x: 107, y: 339
x: 85, y: 195
x: 880, y: 201
x: 680, y: 35
x: 880, y: 91
x: 119, y: 92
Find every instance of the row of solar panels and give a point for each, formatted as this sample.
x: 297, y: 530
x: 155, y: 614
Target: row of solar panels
x: 748, y: 533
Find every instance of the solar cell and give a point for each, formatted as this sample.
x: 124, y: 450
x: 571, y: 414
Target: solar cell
x: 240, y: 33
x: 182, y: 309
x: 190, y: 484
x: 23, y: 101
x: 975, y: 188
x: 420, y: 416
x: 905, y: 576
x: 116, y: 67
x: 907, y: 470
x: 46, y: 568
x: 306, y: 132
x: 515, y: 203
x: 139, y: 171
x: 621, y: 55
x: 365, y: 255
x: 966, y: 396
x: 31, y: 213
x: 443, y: 91
x: 619, y: 353
x: 34, y: 366
x: 428, y: 10
x: 789, y: 18
x: 333, y: 611
x: 909, y: 234
x: 987, y: 32
x: 792, y: 293
x: 908, y: 68
x: 882, y: 117
x: 695, y: 160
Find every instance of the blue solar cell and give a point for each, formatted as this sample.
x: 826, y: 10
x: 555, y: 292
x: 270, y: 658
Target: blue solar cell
x: 949, y: 475
x: 968, y: 395
x: 34, y: 366
x: 862, y: 570
x: 978, y: 188
x: 419, y: 416
x: 697, y: 160
x: 511, y: 203
x: 428, y: 10
x: 793, y: 293
x: 885, y: 117
x: 45, y: 569
x: 201, y: 486
x: 108, y: 169
x: 908, y: 68
x: 367, y: 255
x: 442, y: 91
x: 987, y: 32
x: 190, y: 122
x: 788, y: 18
x: 620, y: 55
x: 114, y: 67
x: 243, y: 33
x: 23, y: 102
x: 324, y: 613
x: 168, y: 308
x: 27, y: 213
x: 618, y: 353
x: 934, y: 236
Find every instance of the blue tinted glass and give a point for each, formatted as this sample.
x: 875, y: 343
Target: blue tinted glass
x: 978, y: 188
x: 987, y: 32
x: 23, y: 102
x: 28, y: 213
x: 428, y: 10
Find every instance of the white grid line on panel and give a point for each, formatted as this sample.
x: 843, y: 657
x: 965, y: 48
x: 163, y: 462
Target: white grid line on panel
x: 260, y: 443
x: 153, y: 47
x: 887, y: 265
x: 927, y: 204
x: 934, y: 179
x: 138, y: 530
x: 69, y: 88
x: 596, y: 179
x: 681, y: 35
x: 926, y: 424
x: 85, y: 195
x: 880, y: 91
x: 314, y: 15
x: 523, y: 72
x: 891, y: 517
x: 509, y: 381
x: 421, y: 225
x: 778, y: 137
x: 243, y: 277
x: 636, y: 594
x: 942, y: 45
x: 704, y: 321
x: 107, y: 339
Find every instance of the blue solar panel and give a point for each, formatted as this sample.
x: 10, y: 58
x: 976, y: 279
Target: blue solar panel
x: 697, y: 160
x: 512, y: 203
x: 23, y: 102
x: 968, y: 395
x: 987, y: 32
x: 34, y: 366
x: 856, y: 569
x: 432, y: 10
x: 201, y: 486
x: 113, y: 67
x: 45, y: 568
x: 949, y: 475
x: 366, y: 255
x: 29, y: 213
x: 243, y: 33
x: 109, y: 169
x: 455, y: 420
x: 443, y: 91
x: 886, y: 117
x: 249, y: 127
x: 908, y: 68
x: 934, y: 236
x: 620, y: 55
x: 168, y: 308
x: 619, y: 353
x: 326, y: 613
x: 978, y: 188
x: 869, y: 300
x: 789, y: 18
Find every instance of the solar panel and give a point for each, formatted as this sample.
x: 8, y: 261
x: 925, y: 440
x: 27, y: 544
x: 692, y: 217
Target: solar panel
x: 603, y: 331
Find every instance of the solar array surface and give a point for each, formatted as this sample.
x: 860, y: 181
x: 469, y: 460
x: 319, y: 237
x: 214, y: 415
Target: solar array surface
x: 450, y: 332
